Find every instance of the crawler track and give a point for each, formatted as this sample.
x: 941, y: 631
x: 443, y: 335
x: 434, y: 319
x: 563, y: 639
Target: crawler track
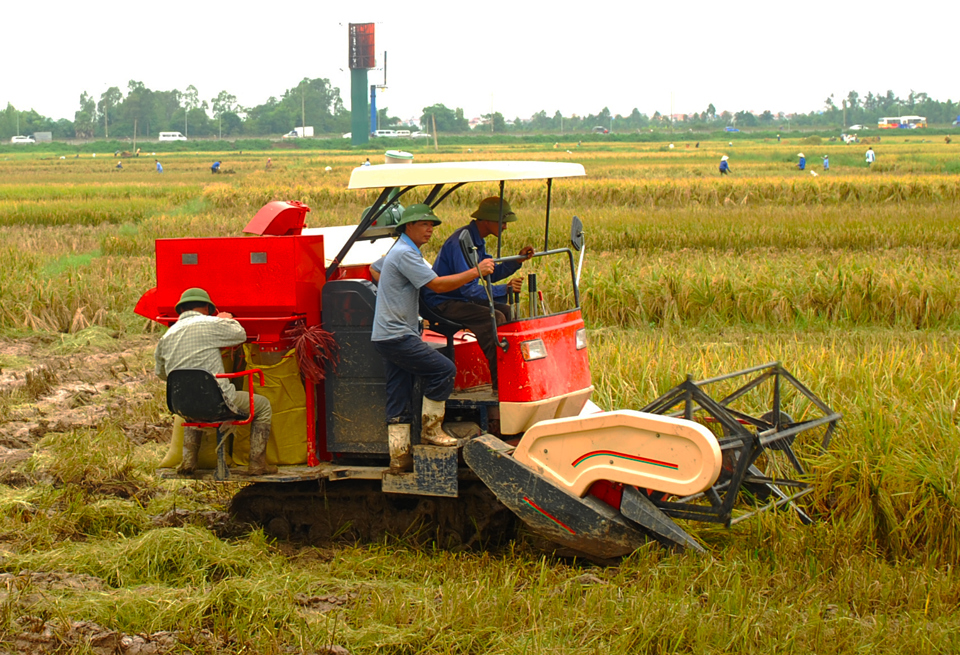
x: 353, y: 511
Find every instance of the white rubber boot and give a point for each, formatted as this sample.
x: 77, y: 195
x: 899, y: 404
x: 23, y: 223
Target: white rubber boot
x: 398, y: 435
x: 432, y: 416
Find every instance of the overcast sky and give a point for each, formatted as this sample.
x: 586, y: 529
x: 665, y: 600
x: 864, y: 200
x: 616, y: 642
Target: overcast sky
x: 515, y: 57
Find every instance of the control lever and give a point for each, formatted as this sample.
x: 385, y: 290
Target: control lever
x: 470, y: 254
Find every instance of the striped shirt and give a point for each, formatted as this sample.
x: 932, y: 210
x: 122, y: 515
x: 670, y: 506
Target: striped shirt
x: 194, y: 341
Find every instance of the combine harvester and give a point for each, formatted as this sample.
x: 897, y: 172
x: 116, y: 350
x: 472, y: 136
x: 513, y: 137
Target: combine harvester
x: 596, y: 483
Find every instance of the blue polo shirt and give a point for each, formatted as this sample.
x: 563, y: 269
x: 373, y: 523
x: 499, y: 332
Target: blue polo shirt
x: 398, y: 292
x: 451, y: 261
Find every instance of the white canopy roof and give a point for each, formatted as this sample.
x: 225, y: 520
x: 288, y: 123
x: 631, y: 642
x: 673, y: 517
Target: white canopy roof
x: 401, y: 175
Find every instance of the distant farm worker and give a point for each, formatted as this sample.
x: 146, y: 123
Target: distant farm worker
x: 194, y: 341
x: 724, y: 166
x: 396, y: 335
x: 802, y: 164
x: 826, y: 162
x: 871, y: 156
x: 215, y: 167
x: 269, y: 163
x: 159, y: 166
x: 778, y: 138
x: 367, y: 162
x: 946, y: 140
x: 469, y: 304
x: 119, y: 165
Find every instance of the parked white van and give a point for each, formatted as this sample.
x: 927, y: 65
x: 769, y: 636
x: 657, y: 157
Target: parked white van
x: 171, y: 136
x: 384, y: 133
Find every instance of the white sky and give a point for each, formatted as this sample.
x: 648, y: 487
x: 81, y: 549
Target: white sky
x: 517, y: 57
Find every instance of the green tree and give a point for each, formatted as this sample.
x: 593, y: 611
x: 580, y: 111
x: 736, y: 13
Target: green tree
x: 137, y: 110
x: 190, y: 99
x: 745, y: 119
x: 85, y: 119
x: 109, y: 102
x: 447, y: 120
x: 223, y: 103
x: 496, y: 121
x: 167, y: 111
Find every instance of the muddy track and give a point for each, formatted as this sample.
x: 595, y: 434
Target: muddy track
x: 351, y: 511
x: 80, y: 390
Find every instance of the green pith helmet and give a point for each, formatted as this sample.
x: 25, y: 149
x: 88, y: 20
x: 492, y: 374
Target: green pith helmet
x: 195, y: 294
x: 489, y: 210
x: 414, y: 213
x: 390, y: 216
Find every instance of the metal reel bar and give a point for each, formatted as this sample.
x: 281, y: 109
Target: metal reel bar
x: 746, y: 438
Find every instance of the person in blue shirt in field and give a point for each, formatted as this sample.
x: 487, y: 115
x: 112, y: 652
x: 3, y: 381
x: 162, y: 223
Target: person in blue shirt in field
x: 469, y: 305
x: 724, y: 166
x: 826, y: 162
x: 802, y: 164
x: 159, y: 166
x: 215, y: 167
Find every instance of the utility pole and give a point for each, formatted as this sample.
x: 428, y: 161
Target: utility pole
x: 303, y: 111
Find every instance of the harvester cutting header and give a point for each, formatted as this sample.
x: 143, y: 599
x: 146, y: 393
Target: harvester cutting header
x: 530, y: 443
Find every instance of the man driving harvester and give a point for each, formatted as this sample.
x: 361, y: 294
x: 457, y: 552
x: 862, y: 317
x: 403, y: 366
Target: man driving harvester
x: 396, y: 335
x: 469, y: 304
x: 194, y: 341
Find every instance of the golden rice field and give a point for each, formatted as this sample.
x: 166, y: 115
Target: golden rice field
x: 848, y: 277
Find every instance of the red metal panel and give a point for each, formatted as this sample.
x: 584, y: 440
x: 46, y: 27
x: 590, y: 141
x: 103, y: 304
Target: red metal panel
x: 564, y: 370
x: 278, y: 218
x: 263, y: 281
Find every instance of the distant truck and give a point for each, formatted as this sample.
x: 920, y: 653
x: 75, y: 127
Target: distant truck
x: 171, y: 136
x: 299, y: 132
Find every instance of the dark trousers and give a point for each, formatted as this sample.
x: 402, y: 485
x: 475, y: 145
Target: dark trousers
x: 476, y: 318
x: 409, y: 357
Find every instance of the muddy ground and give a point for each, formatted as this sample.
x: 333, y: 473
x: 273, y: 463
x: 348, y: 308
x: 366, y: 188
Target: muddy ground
x: 45, y: 390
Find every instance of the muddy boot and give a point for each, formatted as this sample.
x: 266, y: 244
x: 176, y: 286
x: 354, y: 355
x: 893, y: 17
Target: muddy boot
x: 433, y: 433
x: 259, y: 435
x: 191, y: 445
x: 398, y: 435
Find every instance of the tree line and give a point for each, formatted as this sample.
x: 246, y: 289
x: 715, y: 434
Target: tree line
x: 140, y: 112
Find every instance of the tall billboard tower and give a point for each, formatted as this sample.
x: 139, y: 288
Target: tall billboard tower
x: 361, y: 58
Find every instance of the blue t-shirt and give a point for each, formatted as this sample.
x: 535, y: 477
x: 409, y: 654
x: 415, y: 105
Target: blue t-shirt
x: 451, y: 261
x: 398, y: 293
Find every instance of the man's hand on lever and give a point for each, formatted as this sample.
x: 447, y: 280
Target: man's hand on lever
x: 526, y: 252
x: 486, y: 267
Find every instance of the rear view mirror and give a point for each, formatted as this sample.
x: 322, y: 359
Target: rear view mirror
x: 469, y: 250
x: 576, y: 234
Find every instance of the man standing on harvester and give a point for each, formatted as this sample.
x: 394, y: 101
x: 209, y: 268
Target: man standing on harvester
x: 469, y: 304
x: 194, y: 341
x: 396, y: 335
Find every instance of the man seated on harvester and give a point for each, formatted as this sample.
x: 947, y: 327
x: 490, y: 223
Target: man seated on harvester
x: 469, y: 304
x: 194, y: 341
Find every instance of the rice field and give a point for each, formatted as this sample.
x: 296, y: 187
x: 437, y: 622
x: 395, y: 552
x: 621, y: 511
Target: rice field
x: 848, y: 277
